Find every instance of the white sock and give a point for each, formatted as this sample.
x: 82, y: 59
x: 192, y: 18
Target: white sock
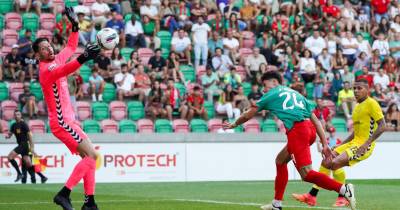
x: 94, y: 97
x: 342, y: 190
x: 277, y: 203
x: 100, y: 97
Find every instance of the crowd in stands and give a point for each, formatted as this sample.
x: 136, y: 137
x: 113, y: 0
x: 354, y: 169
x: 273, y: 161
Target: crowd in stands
x: 178, y: 56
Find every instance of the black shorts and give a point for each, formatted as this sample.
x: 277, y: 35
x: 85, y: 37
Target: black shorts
x: 22, y: 149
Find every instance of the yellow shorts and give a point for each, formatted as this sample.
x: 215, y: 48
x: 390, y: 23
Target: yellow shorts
x: 351, y: 149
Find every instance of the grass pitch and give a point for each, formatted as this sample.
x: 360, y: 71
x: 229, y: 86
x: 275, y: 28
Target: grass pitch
x: 370, y: 194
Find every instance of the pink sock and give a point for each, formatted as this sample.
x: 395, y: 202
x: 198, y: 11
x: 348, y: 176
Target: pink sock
x: 89, y: 182
x: 323, y: 181
x: 79, y: 172
x: 281, y: 181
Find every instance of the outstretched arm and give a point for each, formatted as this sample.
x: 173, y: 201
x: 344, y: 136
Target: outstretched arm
x: 73, y: 39
x: 250, y: 113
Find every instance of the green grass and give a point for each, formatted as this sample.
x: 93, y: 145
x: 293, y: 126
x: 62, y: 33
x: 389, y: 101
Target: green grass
x: 371, y: 195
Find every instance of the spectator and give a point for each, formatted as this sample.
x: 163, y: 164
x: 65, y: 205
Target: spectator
x: 143, y: 81
x: 235, y: 25
x: 196, y: 104
x: 349, y: 17
x: 197, y: 10
x: 232, y: 78
x: 280, y: 24
x: 253, y: 63
x: 168, y: 14
x: 332, y: 43
x: 182, y: 45
x: 363, y: 46
x: 63, y: 27
x: 265, y: 41
x: 337, y: 85
x: 382, y: 45
x: 393, y: 94
x: 323, y: 113
x: 97, y: 84
x: 364, y: 74
x: 391, y: 68
x: 319, y: 82
x: 157, y: 66
x: 155, y: 103
x: 382, y: 79
x: 347, y: 100
x: 12, y: 65
x: 325, y: 59
x: 174, y: 101
x: 117, y: 25
x: 241, y: 101
x: 134, y: 60
x: 315, y: 43
x: 364, y: 20
x: 151, y: 12
x: 254, y: 96
x: 103, y: 65
x: 361, y: 61
x: 87, y: 32
x: 231, y: 46
x: 376, y: 61
x: 290, y: 60
x: 134, y: 34
x: 339, y: 61
x: 45, y: 6
x: 382, y: 27
x: 347, y: 76
x: 183, y: 13
x: 298, y: 26
x: 200, y: 32
x: 79, y: 83
x: 379, y: 8
x: 29, y: 65
x: 125, y: 82
x: 221, y: 62
x: 394, y: 46
x: 100, y: 13
x: 380, y: 96
x: 214, y: 42
x: 392, y: 118
x: 114, y: 5
x: 116, y: 60
x: 307, y: 66
x: 173, y: 67
x: 22, y: 4
x: 81, y: 8
x: 217, y: 24
x: 25, y: 43
x: 331, y: 10
x: 349, y: 47
x: 314, y: 13
x: 28, y: 102
x: 226, y: 105
x: 210, y: 82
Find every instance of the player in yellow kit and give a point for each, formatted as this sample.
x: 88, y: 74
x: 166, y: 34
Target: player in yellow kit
x: 369, y: 124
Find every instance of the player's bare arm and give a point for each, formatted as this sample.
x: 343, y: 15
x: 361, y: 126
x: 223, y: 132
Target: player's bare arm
x: 31, y: 145
x: 326, y: 151
x: 378, y: 132
x: 250, y: 113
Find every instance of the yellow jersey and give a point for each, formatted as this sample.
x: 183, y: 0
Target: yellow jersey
x: 365, y: 116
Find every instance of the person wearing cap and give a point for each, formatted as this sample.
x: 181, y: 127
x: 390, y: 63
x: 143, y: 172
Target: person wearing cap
x: 25, y: 43
x: 12, y: 65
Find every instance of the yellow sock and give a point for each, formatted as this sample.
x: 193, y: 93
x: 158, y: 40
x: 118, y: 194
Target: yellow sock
x: 339, y: 175
x: 324, y: 171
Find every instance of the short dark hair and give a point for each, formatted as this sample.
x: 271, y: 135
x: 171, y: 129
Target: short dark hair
x: 272, y: 75
x: 156, y: 50
x: 346, y: 82
x: 124, y: 65
x: 362, y: 80
x: 35, y: 45
x: 196, y: 88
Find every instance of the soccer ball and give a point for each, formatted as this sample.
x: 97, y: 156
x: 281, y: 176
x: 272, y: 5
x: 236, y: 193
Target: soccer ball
x: 107, y: 38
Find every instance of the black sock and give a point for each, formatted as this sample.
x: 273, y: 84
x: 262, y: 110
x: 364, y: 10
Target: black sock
x: 65, y: 192
x: 31, y: 171
x: 340, y: 196
x: 41, y: 175
x: 15, y: 165
x: 89, y: 200
x: 314, y: 192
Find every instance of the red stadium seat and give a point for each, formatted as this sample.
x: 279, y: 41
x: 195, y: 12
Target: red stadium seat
x: 37, y: 126
x: 42, y: 108
x: 8, y: 107
x: 45, y: 34
x: 4, y: 125
x: 47, y: 21
x: 180, y: 126
x: 118, y: 110
x: 10, y: 37
x: 13, y: 21
x: 59, y: 5
x: 252, y: 126
x: 331, y: 106
x: 83, y: 110
x: 145, y: 55
x: 200, y: 71
x: 145, y: 126
x: 214, y: 125
x: 109, y: 126
x: 249, y: 40
x: 15, y: 89
x: 244, y: 52
x: 5, y: 50
x: 242, y: 72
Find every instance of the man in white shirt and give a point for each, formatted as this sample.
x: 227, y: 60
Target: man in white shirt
x: 253, y: 63
x: 82, y: 9
x: 381, y: 44
x: 100, y: 13
x: 182, y: 45
x: 382, y: 78
x: 315, y: 44
x: 134, y: 33
x: 349, y: 47
x: 152, y: 12
x: 125, y: 82
x: 221, y: 63
x: 200, y: 32
x: 231, y: 46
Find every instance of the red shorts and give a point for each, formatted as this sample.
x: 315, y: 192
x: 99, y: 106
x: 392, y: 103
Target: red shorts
x: 70, y: 134
x: 300, y: 138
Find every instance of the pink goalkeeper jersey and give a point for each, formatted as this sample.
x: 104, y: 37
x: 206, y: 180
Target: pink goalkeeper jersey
x: 53, y: 79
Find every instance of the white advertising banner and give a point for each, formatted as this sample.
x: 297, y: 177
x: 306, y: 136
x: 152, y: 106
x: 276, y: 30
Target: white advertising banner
x: 167, y: 162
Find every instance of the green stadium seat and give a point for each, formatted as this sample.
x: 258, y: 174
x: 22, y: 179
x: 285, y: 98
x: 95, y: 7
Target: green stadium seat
x: 109, y: 93
x: 198, y: 126
x: 310, y: 90
x: 127, y: 126
x: 71, y: 3
x: 36, y: 90
x: 126, y: 52
x: 188, y: 72
x: 21, y: 33
x: 163, y: 126
x: 269, y: 125
x: 165, y: 38
x: 58, y: 17
x: 3, y: 91
x: 85, y: 72
x: 127, y: 17
x: 340, y: 124
x: 135, y: 110
x: 100, y: 111
x: 1, y: 22
x: 6, y: 6
x: 165, y: 52
x: 246, y: 88
x: 91, y: 126
x: 209, y: 106
x: 181, y: 87
x: 30, y: 21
